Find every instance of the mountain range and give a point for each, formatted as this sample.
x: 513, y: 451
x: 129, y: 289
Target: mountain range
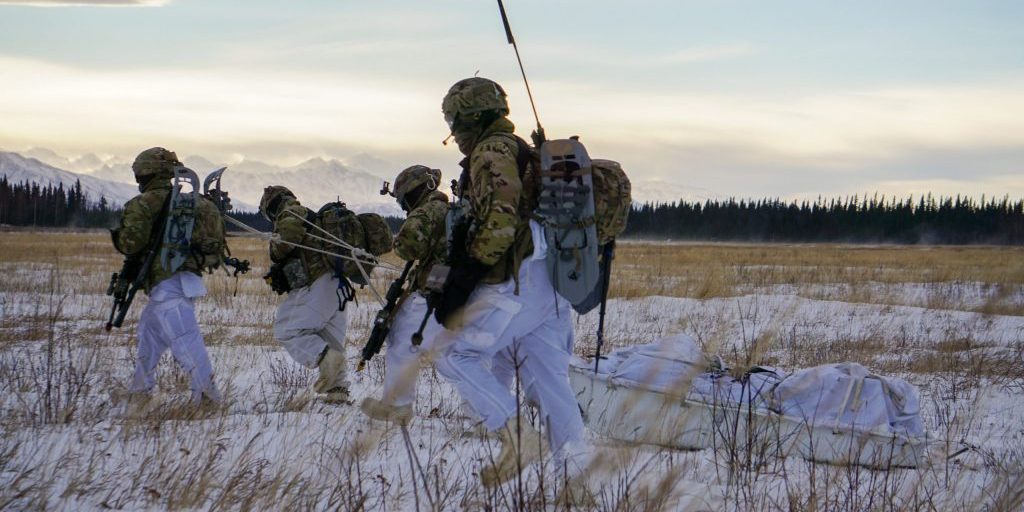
x: 20, y: 169
x: 315, y: 181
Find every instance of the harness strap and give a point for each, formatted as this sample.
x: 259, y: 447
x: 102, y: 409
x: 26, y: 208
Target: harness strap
x: 346, y: 293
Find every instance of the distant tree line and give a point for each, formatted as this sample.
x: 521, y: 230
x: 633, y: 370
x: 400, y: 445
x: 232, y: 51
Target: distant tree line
x: 943, y: 220
x: 31, y: 204
x: 930, y: 220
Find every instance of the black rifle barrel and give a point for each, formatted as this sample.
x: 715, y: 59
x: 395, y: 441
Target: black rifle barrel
x: 382, y: 322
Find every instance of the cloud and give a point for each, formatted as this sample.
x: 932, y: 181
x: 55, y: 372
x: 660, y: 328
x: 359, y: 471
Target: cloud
x: 832, y: 129
x: 78, y: 108
x: 86, y: 3
x: 840, y: 141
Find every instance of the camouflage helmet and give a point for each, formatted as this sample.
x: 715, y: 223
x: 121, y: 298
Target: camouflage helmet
x: 472, y: 96
x: 412, y: 178
x: 155, y: 162
x: 272, y: 196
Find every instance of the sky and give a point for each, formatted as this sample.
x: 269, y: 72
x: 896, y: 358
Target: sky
x: 740, y: 98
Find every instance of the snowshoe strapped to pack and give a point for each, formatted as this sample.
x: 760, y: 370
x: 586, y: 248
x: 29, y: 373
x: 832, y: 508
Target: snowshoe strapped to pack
x: 193, y: 237
x: 181, y: 220
x: 584, y: 205
x: 566, y: 205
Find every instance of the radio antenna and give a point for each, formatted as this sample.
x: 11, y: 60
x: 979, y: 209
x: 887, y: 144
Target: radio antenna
x: 512, y: 41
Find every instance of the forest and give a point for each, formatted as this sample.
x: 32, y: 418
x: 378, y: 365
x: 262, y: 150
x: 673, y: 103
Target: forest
x: 854, y: 219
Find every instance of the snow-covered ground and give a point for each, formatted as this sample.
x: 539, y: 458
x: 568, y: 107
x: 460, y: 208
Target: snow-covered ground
x: 274, y: 445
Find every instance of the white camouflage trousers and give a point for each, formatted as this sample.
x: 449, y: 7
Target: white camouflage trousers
x: 309, y: 320
x: 402, y: 359
x: 169, y: 322
x: 531, y: 330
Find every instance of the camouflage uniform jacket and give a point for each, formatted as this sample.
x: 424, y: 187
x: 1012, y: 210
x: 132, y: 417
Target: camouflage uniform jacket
x: 291, y: 227
x: 422, y: 236
x: 142, y: 215
x: 501, y: 234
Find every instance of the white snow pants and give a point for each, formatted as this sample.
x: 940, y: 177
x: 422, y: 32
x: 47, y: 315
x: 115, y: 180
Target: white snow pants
x: 402, y: 360
x: 309, y: 320
x: 169, y: 322
x: 535, y: 327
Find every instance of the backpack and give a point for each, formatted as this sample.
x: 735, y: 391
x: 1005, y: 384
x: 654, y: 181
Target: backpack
x: 208, y: 244
x: 583, y: 205
x: 612, y: 199
x: 193, y: 236
x: 366, y: 231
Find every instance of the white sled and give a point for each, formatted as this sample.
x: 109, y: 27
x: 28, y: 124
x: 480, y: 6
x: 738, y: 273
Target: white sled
x: 631, y: 412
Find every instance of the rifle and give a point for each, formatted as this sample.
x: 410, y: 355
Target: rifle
x: 382, y: 322
x: 124, y: 285
x: 606, y: 275
x: 238, y: 266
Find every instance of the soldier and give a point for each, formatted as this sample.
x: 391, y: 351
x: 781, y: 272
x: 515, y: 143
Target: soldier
x: 498, y: 298
x: 311, y: 322
x: 421, y: 239
x: 168, y: 321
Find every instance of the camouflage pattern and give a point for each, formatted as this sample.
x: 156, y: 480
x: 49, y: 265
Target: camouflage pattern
x: 422, y: 236
x: 155, y: 162
x: 612, y: 199
x: 377, y: 238
x: 208, y: 237
x: 142, y: 215
x: 472, y: 96
x: 290, y: 226
x: 269, y: 195
x: 412, y: 178
x: 500, y: 235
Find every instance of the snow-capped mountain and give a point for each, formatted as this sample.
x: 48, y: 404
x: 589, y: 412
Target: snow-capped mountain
x: 87, y: 163
x: 19, y: 169
x: 315, y: 182
x: 661, y: 191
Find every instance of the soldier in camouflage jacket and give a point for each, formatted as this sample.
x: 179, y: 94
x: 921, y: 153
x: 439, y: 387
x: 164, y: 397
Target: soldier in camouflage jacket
x: 311, y: 322
x: 168, y: 321
x: 498, y: 303
x: 421, y: 239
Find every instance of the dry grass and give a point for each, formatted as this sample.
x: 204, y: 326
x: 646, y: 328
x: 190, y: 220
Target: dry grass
x: 275, y: 446
x: 849, y: 273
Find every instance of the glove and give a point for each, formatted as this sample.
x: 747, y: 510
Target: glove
x: 277, y: 280
x: 462, y: 280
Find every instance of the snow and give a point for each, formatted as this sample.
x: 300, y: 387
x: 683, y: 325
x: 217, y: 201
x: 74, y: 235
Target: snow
x: 278, y: 446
